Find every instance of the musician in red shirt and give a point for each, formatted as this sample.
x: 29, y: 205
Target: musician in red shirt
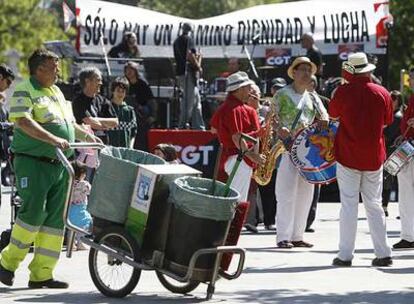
x: 363, y: 109
x: 231, y: 119
x: 406, y: 180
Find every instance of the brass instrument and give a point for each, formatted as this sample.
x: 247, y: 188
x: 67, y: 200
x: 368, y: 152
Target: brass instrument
x: 263, y: 173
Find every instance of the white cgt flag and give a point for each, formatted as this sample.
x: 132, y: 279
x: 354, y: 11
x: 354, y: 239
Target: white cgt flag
x: 68, y: 16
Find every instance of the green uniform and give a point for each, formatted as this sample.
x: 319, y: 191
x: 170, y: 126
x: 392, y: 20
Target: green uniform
x: 41, y: 180
x: 121, y: 135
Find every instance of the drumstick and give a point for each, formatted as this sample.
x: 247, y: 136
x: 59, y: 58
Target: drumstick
x: 400, y: 138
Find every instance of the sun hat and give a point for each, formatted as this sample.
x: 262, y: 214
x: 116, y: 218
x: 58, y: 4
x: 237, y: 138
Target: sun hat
x: 299, y: 61
x: 7, y: 72
x: 358, y: 63
x: 238, y: 80
x: 278, y: 82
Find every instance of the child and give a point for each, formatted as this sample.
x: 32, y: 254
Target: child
x: 122, y: 135
x: 78, y: 215
x: 167, y: 152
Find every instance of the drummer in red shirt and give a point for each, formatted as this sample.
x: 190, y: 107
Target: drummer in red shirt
x: 231, y: 119
x: 406, y: 180
x: 363, y: 109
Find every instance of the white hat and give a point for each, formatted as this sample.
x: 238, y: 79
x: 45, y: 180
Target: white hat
x: 358, y: 63
x: 238, y: 80
x: 299, y: 61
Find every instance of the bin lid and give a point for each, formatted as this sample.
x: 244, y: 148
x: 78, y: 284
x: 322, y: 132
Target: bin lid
x: 170, y: 169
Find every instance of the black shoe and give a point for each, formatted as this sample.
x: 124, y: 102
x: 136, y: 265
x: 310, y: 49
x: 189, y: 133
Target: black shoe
x: 382, y: 262
x: 302, y: 244
x: 51, y: 283
x: 251, y: 228
x: 310, y: 230
x: 285, y: 245
x: 341, y: 263
x: 403, y: 244
x: 6, y: 276
x: 270, y: 227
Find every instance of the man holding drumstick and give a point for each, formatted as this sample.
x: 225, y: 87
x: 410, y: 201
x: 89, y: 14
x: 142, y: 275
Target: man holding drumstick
x: 406, y: 180
x: 363, y: 109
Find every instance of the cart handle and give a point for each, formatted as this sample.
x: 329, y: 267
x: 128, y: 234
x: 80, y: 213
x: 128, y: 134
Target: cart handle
x: 61, y: 156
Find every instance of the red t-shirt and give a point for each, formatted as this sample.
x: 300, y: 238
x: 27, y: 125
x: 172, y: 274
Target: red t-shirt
x: 363, y: 108
x: 409, y: 113
x: 232, y: 117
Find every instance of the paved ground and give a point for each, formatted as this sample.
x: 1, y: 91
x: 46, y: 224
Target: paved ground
x: 271, y: 275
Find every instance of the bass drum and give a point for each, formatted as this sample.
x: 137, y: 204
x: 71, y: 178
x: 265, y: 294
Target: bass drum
x: 312, y: 153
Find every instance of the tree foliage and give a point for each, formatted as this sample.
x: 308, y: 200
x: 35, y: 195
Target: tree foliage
x: 401, y: 43
x: 196, y: 9
x: 24, y: 26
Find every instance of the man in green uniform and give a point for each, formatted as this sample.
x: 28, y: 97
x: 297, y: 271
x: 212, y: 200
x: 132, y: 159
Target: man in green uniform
x: 43, y: 120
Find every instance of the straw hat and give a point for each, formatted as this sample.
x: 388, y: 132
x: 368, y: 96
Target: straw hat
x: 238, y: 80
x: 299, y: 61
x: 358, y: 64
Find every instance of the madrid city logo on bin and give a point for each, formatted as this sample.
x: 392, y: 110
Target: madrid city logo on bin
x: 143, y: 187
x: 278, y: 56
x: 344, y: 50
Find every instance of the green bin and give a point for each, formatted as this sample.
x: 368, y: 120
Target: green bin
x: 114, y: 181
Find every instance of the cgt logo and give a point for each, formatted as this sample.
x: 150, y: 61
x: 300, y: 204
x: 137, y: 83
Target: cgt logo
x: 280, y: 60
x: 344, y: 50
x: 191, y: 155
x: 278, y: 56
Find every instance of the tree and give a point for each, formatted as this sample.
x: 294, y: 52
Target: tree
x: 195, y: 9
x: 24, y: 26
x: 401, y: 42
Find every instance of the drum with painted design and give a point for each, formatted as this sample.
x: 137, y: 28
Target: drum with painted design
x: 312, y: 153
x: 399, y: 158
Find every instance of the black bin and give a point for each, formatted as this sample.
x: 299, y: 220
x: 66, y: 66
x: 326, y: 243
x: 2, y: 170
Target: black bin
x: 198, y: 220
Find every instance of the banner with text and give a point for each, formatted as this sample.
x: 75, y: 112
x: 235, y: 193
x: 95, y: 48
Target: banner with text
x: 197, y: 149
x: 270, y: 27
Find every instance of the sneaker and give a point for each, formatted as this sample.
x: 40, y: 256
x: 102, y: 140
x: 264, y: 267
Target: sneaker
x: 403, y: 244
x: 51, y: 283
x: 285, y: 245
x: 302, y: 244
x: 382, y: 262
x: 340, y: 263
x: 6, y: 276
x: 251, y: 228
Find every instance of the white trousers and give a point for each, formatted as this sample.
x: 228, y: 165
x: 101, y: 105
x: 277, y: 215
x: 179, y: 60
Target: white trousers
x: 406, y: 201
x: 294, y: 198
x: 241, y: 180
x: 351, y: 182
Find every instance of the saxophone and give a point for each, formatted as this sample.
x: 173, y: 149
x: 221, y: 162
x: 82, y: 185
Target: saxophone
x: 263, y: 173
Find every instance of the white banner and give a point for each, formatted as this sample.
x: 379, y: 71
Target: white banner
x: 338, y: 26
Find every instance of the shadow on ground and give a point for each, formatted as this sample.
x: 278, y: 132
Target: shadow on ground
x: 262, y: 296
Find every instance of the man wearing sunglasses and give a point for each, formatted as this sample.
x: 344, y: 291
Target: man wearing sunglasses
x: 6, y: 79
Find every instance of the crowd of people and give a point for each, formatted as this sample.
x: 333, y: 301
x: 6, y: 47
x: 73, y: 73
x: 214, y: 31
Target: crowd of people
x: 43, y: 119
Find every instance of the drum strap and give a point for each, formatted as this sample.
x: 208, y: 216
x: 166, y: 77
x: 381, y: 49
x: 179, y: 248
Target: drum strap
x: 296, y: 120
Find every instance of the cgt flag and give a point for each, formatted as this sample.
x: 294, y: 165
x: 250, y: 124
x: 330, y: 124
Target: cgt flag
x: 68, y: 16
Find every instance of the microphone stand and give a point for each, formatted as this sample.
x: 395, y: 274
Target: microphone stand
x: 249, y: 58
x: 101, y: 41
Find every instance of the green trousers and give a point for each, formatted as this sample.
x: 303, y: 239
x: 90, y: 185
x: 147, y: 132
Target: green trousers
x: 42, y: 187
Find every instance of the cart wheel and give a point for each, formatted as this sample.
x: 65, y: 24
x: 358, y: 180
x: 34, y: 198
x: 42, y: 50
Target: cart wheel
x: 176, y: 286
x: 110, y: 275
